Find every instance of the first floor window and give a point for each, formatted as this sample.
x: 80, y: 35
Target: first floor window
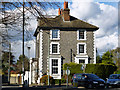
x: 81, y: 48
x: 54, y: 48
x: 81, y: 61
x: 54, y: 66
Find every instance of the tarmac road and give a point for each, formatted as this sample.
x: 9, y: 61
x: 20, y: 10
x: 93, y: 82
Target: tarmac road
x: 63, y: 87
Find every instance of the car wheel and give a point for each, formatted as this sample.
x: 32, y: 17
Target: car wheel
x: 107, y: 86
x: 90, y: 86
x: 75, y: 84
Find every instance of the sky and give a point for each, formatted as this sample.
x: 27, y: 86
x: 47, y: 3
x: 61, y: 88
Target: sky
x: 102, y: 14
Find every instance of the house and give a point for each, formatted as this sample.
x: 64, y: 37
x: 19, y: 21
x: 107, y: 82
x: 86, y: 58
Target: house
x: 63, y: 39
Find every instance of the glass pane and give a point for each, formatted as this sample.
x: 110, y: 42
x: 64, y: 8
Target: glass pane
x: 54, y: 70
x: 54, y: 62
x: 81, y: 48
x: 81, y: 34
x: 54, y: 48
x: 81, y: 61
x: 54, y: 33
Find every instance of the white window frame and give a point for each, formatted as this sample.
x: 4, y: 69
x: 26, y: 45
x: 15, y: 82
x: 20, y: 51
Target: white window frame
x: 56, y: 76
x: 54, y: 66
x: 78, y: 31
x: 84, y: 57
x: 84, y: 48
x: 51, y: 38
x: 58, y: 48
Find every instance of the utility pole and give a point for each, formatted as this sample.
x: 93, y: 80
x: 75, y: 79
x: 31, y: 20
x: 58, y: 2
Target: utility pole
x: 23, y: 45
x: 28, y: 63
x: 9, y: 62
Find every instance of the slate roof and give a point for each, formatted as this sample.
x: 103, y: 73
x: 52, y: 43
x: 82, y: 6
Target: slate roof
x: 59, y: 23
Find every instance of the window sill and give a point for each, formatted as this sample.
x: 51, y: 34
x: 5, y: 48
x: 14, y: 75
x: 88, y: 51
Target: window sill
x: 55, y: 39
x: 55, y: 75
x: 55, y: 53
x: 82, y: 39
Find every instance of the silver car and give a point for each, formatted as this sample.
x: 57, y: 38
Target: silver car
x: 113, y: 80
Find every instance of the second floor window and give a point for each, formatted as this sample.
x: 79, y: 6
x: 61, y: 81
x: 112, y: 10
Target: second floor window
x: 55, y: 34
x: 81, y: 35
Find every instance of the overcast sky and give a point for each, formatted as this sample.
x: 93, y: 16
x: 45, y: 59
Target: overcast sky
x: 102, y: 14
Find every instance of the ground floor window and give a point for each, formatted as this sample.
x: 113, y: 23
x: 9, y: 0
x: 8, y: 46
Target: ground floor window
x: 81, y: 61
x: 54, y: 66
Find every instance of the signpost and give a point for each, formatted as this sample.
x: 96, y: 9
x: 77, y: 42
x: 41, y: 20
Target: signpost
x: 68, y: 73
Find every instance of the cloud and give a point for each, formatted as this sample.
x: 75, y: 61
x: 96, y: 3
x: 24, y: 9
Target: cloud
x: 102, y: 15
x: 17, y: 50
x: 99, y: 14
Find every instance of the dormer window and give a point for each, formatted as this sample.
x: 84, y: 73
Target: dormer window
x: 55, y: 34
x: 81, y: 34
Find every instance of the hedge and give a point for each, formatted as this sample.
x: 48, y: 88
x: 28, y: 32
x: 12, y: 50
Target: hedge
x: 102, y: 70
x: 73, y: 67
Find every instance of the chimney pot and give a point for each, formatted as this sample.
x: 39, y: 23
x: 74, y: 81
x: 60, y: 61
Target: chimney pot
x: 59, y: 12
x: 65, y: 5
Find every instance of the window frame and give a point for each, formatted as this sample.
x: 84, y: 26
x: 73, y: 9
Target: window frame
x: 78, y: 34
x: 81, y: 59
x: 51, y: 34
x: 58, y: 47
x: 54, y: 66
x: 78, y: 48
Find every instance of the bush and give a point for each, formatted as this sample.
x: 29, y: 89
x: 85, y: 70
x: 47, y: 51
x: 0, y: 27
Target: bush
x: 44, y: 80
x: 102, y: 70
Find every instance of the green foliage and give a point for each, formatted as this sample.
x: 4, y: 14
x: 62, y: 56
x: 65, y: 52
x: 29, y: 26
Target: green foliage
x: 102, y: 70
x: 98, y: 58
x: 44, y: 80
x: 73, y: 67
x: 5, y: 61
x: 20, y: 62
x: 107, y: 58
x: 117, y: 72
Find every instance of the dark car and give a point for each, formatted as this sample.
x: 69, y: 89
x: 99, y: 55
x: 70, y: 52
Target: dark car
x: 113, y: 80
x: 87, y: 80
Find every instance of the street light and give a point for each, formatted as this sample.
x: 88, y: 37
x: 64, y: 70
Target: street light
x: 48, y: 57
x: 28, y: 63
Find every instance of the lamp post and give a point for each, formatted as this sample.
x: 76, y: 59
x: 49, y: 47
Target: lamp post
x: 48, y: 57
x: 28, y: 63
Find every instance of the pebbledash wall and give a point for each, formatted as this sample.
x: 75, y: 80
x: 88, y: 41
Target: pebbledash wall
x: 68, y: 40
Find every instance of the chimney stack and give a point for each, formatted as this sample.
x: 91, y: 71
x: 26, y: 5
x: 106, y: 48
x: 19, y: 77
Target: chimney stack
x: 66, y: 12
x: 59, y: 12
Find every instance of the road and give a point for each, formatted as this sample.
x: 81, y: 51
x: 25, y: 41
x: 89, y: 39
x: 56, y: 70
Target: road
x: 52, y: 88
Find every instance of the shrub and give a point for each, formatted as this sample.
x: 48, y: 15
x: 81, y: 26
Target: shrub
x: 102, y: 70
x: 44, y: 80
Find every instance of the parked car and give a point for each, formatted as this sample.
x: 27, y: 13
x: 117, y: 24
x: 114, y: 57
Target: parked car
x: 113, y: 80
x: 87, y: 80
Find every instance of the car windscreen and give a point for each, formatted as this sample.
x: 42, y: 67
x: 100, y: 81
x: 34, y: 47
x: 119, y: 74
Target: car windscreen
x: 114, y: 77
x: 93, y: 76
